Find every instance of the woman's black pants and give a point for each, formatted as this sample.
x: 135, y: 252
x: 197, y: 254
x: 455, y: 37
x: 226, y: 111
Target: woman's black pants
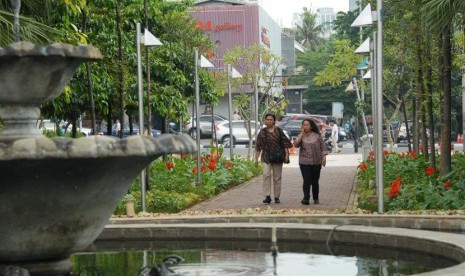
x: 311, y: 176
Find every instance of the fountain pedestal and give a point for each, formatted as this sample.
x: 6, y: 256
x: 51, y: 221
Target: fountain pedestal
x: 57, y: 194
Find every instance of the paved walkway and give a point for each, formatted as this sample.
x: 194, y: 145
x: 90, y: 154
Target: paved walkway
x: 336, y: 188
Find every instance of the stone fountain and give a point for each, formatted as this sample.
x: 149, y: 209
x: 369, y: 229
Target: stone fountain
x: 58, y: 194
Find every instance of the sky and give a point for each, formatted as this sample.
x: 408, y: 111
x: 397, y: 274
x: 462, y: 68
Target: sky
x: 283, y: 10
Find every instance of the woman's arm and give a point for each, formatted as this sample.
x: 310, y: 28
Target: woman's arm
x: 298, y: 140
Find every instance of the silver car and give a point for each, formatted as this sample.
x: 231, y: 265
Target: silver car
x: 239, y: 132
x: 206, y: 125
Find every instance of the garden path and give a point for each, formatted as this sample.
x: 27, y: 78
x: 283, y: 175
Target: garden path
x: 336, y: 188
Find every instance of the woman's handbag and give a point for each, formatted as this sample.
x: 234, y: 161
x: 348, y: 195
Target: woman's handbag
x: 275, y: 156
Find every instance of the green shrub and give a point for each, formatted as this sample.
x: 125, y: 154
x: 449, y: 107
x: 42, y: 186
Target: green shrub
x: 411, y: 183
x: 173, y: 183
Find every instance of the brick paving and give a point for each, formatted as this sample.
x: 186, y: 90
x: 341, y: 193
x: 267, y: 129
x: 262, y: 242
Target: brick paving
x: 336, y: 188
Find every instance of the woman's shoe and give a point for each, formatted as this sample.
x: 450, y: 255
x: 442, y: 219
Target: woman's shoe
x: 267, y: 200
x: 305, y: 202
x: 276, y: 200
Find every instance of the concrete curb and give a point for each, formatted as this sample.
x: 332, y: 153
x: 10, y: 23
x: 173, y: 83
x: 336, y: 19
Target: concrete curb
x: 451, y: 246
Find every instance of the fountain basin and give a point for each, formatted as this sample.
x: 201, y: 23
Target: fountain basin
x: 45, y: 69
x: 32, y: 74
x: 301, y: 229
x: 58, y: 194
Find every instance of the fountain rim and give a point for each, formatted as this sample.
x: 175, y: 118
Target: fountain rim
x: 23, y: 49
x: 98, y: 146
x: 449, y: 245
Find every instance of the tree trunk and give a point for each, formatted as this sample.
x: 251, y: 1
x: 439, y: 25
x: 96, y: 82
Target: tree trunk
x: 121, y: 71
x: 415, y: 126
x: 421, y: 94
x: 429, y: 89
x: 91, y: 99
x: 445, y: 162
x: 149, y: 98
x: 109, y: 118
x: 89, y: 84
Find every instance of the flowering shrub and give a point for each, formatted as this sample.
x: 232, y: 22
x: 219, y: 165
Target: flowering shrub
x: 410, y: 183
x: 173, y: 183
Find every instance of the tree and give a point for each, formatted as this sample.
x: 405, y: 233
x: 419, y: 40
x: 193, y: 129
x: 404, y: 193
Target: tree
x: 343, y: 29
x: 33, y: 19
x: 308, y: 32
x: 341, y: 66
x: 252, y: 62
x: 439, y: 16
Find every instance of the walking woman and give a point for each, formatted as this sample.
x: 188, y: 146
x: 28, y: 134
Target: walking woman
x: 312, y: 155
x: 274, y: 146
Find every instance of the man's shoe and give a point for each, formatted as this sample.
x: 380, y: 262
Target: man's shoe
x: 276, y: 200
x: 305, y: 202
x: 267, y: 200
x: 316, y: 201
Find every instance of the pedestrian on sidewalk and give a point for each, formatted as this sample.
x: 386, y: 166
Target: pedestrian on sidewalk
x: 312, y: 155
x: 335, y: 135
x: 273, y: 147
x: 236, y: 116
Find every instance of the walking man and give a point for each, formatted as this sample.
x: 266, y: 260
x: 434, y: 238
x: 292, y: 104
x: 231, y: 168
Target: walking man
x: 335, y: 136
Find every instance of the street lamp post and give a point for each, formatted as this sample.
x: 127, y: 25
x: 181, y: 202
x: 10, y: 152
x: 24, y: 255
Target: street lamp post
x: 257, y: 78
x: 259, y: 82
x: 379, y: 106
x: 366, y: 18
x: 204, y: 63
x: 148, y: 39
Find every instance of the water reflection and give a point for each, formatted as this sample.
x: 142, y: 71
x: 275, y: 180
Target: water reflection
x: 243, y: 258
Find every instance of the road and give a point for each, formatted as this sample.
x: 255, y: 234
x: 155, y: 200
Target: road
x: 346, y: 147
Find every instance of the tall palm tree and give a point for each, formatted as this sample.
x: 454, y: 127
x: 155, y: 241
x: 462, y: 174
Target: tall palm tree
x: 439, y: 16
x: 309, y: 34
x: 32, y: 26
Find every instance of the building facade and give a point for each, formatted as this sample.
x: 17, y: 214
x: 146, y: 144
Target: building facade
x: 229, y: 24
x: 353, y: 5
x: 325, y: 18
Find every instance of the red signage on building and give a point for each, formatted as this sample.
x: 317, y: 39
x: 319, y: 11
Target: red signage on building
x: 208, y: 26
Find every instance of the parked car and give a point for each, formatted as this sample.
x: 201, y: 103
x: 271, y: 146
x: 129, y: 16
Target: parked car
x: 395, y: 128
x: 126, y: 131
x: 402, y: 135
x: 83, y: 130
x: 239, y: 132
x: 293, y: 128
x: 206, y: 124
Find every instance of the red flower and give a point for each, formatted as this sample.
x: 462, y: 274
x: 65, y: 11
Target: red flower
x: 194, y: 170
x: 371, y: 155
x: 395, y: 188
x: 412, y: 154
x: 386, y: 152
x: 447, y: 184
x: 362, y: 166
x: 169, y: 165
x: 212, y: 166
x: 203, y: 169
x: 429, y: 171
x: 229, y: 165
